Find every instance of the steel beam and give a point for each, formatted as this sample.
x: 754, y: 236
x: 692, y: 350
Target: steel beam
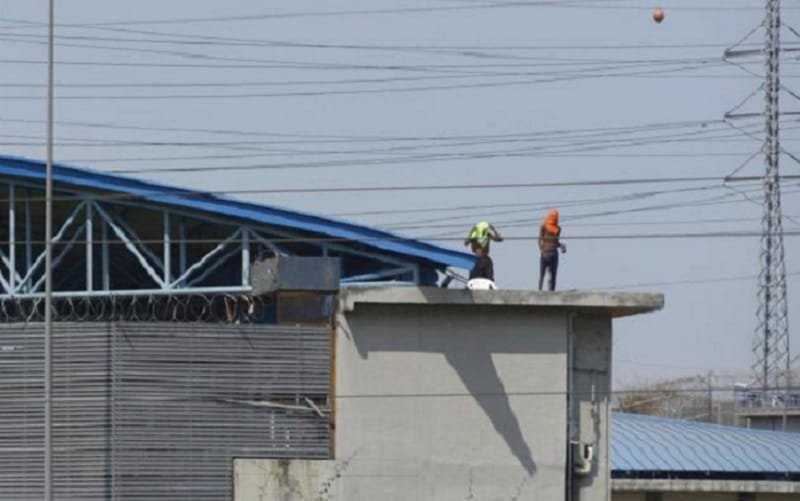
x: 12, y: 236
x: 70, y: 244
x: 15, y: 274
x: 380, y: 274
x: 57, y: 238
x: 133, y: 249
x: 245, y: 257
x: 28, y: 231
x: 4, y: 284
x: 89, y: 249
x: 211, y: 269
x: 182, y: 246
x: 203, y: 260
x: 135, y: 240
x: 167, y: 250
x: 270, y: 245
x: 106, y: 257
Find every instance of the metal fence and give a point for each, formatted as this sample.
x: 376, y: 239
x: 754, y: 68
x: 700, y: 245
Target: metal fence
x: 157, y: 411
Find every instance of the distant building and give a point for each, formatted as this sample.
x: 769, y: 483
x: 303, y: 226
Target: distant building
x: 776, y: 410
x: 659, y: 459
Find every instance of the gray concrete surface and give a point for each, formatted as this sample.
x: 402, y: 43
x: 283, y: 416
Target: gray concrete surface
x: 284, y: 480
x: 451, y: 402
x: 591, y: 385
x: 462, y: 395
x: 614, y: 304
x: 456, y: 394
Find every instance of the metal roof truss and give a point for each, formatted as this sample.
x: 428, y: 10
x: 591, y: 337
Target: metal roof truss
x: 106, y: 245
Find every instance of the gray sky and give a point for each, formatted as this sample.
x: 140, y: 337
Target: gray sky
x: 366, y: 93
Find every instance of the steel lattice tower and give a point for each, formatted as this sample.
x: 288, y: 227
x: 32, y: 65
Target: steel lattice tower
x: 771, y: 367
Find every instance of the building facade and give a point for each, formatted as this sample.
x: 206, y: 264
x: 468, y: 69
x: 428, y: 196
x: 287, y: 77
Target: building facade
x: 454, y: 394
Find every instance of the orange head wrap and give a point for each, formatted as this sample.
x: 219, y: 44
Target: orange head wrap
x: 551, y: 222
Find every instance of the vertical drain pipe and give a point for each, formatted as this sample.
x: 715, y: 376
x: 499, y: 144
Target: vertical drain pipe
x: 571, y: 424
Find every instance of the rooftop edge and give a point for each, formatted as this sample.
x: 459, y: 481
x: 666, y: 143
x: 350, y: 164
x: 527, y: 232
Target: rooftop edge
x: 617, y: 304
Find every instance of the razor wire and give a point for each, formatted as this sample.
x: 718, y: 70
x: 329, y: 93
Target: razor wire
x: 226, y: 308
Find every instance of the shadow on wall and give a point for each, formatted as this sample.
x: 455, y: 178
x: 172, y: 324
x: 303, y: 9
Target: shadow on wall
x: 469, y: 353
x: 479, y: 375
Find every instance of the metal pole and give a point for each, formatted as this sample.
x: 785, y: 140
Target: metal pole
x: 48, y: 287
x: 12, y: 237
x: 28, y: 237
x: 106, y: 258
x: 245, y: 257
x: 167, y: 250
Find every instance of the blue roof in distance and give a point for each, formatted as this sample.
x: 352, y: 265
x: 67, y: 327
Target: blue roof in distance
x: 166, y: 195
x: 654, y: 444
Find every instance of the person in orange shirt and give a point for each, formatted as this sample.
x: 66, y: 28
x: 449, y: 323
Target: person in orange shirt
x: 549, y: 245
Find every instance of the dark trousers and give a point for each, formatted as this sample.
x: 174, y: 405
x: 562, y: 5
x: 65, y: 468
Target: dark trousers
x: 483, y: 268
x: 548, y: 262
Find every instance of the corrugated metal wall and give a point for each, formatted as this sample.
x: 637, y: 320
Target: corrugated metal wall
x: 156, y: 411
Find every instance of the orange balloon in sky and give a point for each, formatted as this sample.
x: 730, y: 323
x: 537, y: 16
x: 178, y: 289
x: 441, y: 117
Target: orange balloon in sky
x: 658, y: 15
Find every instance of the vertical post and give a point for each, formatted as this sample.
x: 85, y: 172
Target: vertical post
x: 711, y: 397
x: 182, y: 246
x: 48, y: 285
x: 12, y: 237
x: 572, y: 431
x: 28, y: 234
x: 106, y: 257
x: 167, y: 250
x: 245, y: 257
x: 89, y: 249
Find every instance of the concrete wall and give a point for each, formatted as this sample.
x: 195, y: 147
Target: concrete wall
x: 285, y: 480
x: 451, y: 402
x: 591, y: 385
x: 465, y: 402
x: 462, y: 395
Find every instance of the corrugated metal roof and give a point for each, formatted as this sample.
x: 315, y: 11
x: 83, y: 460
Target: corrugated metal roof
x: 209, y: 203
x: 653, y: 444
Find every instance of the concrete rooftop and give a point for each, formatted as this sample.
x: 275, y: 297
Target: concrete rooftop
x: 616, y: 304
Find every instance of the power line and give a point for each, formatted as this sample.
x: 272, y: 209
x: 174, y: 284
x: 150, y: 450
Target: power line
x: 195, y: 40
x: 358, y: 138
x: 394, y: 238
x: 515, y: 209
x: 690, y: 281
x: 710, y: 201
x: 605, y: 73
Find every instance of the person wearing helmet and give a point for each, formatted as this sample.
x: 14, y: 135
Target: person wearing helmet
x: 480, y: 236
x: 549, y: 245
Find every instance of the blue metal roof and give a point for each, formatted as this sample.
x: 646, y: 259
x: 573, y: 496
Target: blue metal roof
x: 651, y: 444
x: 212, y: 204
